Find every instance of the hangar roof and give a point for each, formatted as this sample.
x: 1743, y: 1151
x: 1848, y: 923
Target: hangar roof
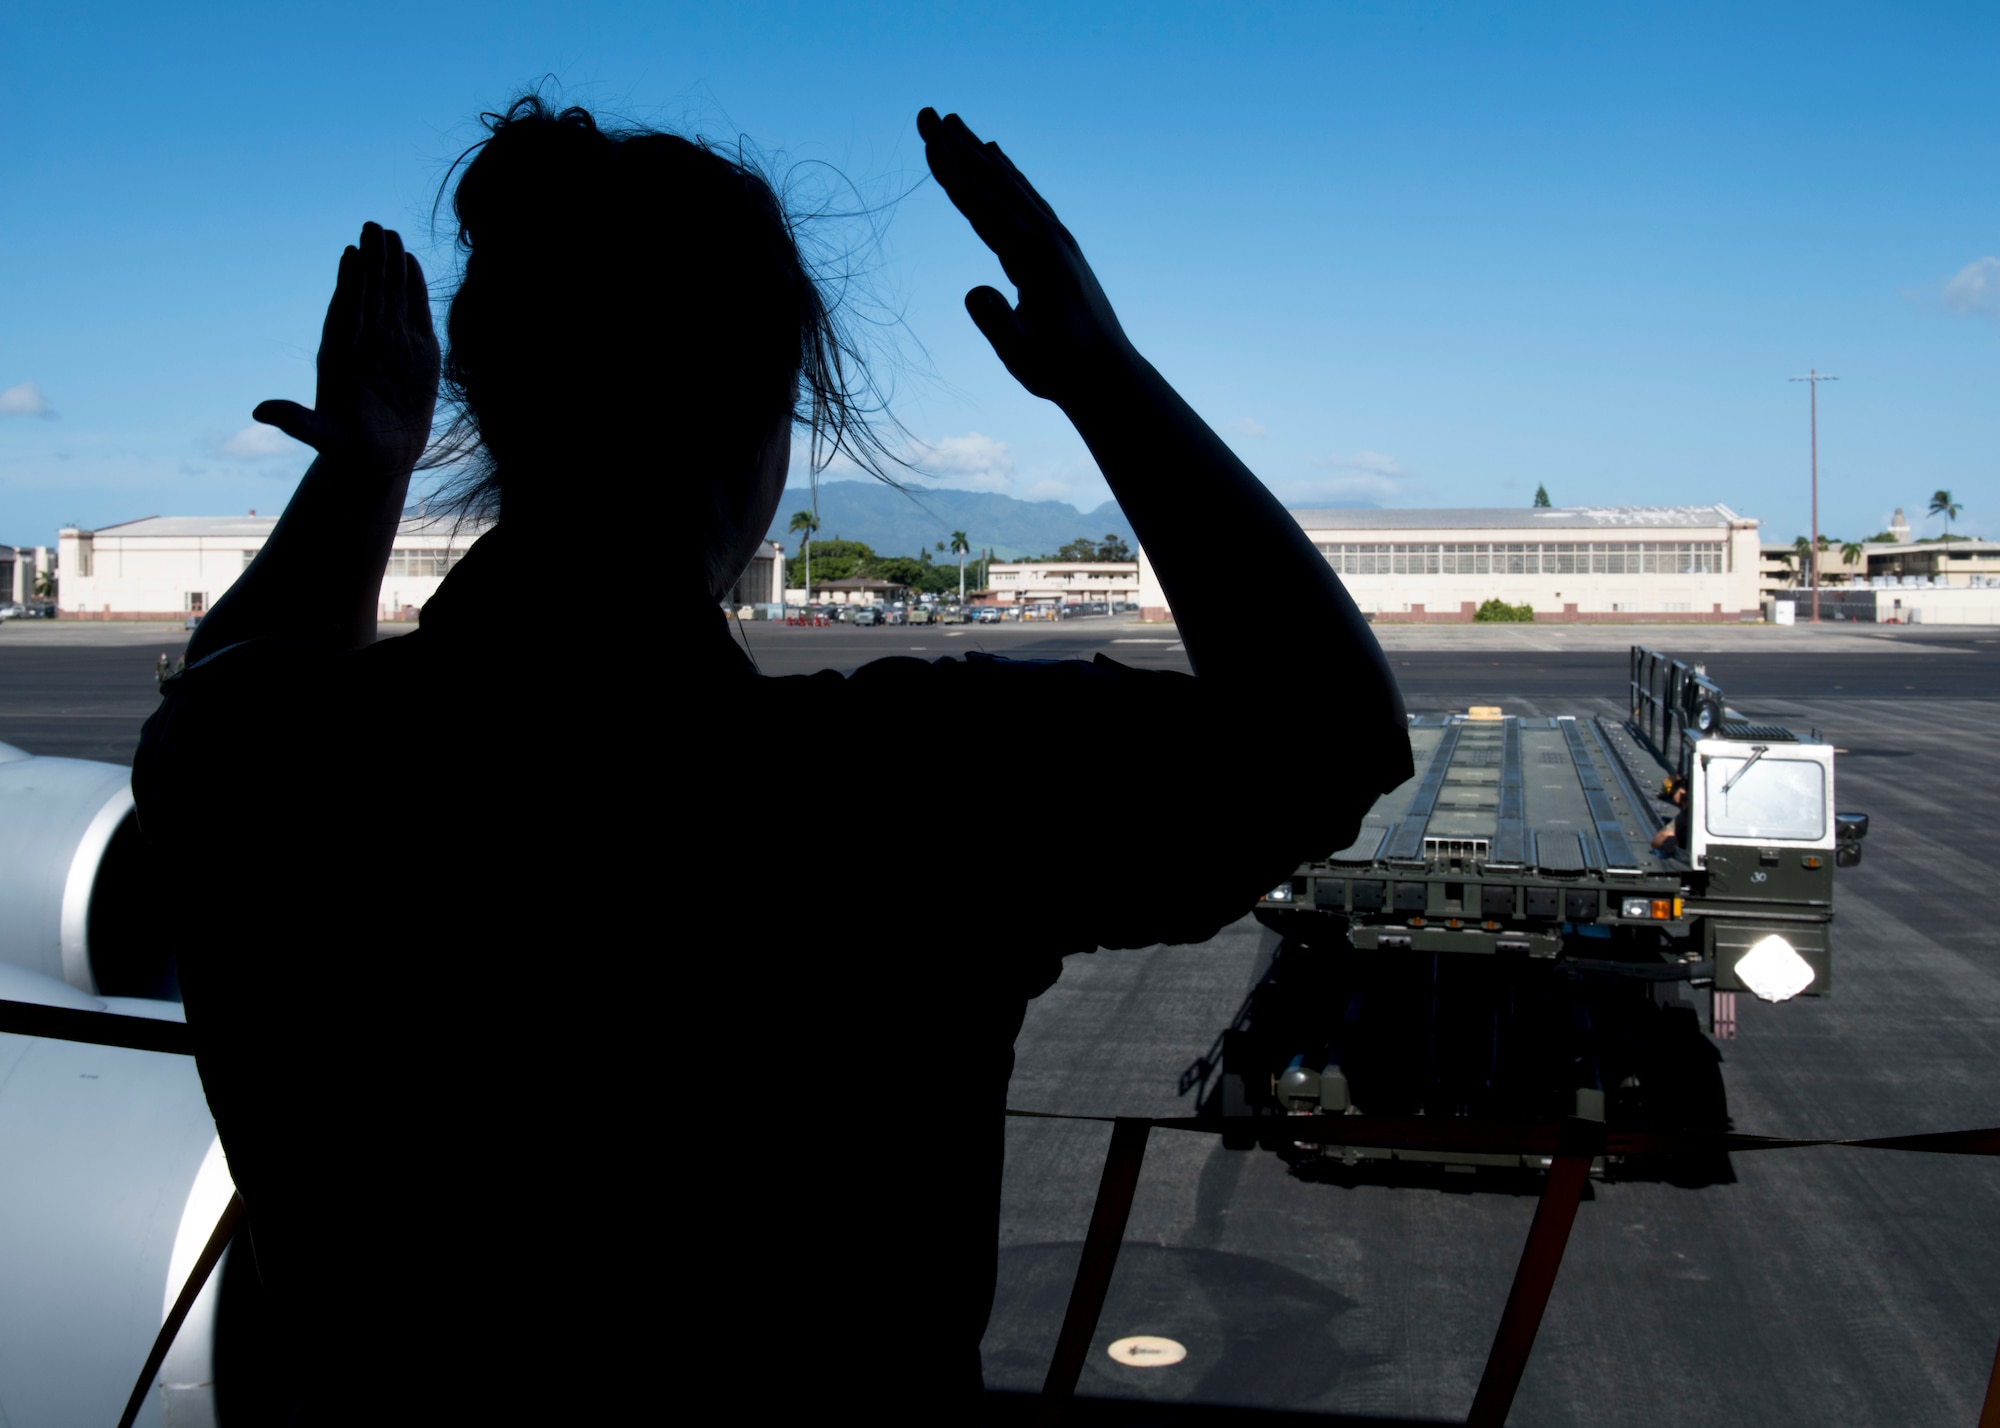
x: 259, y: 527
x: 1518, y: 518
x: 192, y: 526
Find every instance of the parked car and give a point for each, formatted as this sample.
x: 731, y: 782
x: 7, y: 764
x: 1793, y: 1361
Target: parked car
x: 12, y: 612
x: 867, y: 615
x: 923, y: 615
x: 987, y: 615
x: 952, y: 615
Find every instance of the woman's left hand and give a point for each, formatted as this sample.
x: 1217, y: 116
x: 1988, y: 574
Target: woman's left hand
x: 1062, y: 337
x: 378, y: 363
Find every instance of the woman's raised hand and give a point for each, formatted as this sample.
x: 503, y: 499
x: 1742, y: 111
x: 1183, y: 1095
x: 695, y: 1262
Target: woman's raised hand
x: 1061, y: 334
x: 378, y: 363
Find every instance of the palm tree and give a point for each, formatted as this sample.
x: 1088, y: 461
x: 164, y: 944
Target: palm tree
x: 808, y: 522
x: 1850, y: 556
x: 1802, y: 547
x: 960, y: 546
x: 1943, y: 505
x: 45, y: 585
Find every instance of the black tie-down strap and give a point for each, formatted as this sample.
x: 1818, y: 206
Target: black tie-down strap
x: 1569, y: 1144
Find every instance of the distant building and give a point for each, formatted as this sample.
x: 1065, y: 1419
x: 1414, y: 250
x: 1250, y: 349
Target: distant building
x: 20, y: 565
x: 1964, y: 563
x: 763, y: 579
x: 167, y: 567
x: 1696, y: 564
x: 1060, y: 582
x: 856, y: 590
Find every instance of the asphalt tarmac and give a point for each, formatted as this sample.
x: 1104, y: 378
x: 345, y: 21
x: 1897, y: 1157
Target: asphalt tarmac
x: 1821, y: 1286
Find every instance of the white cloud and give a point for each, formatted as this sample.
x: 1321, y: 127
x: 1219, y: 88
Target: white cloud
x: 1248, y: 426
x: 257, y: 443
x: 1354, y: 488
x: 25, y: 400
x: 1370, y: 478
x: 969, y: 463
x: 1368, y: 463
x: 1975, y: 290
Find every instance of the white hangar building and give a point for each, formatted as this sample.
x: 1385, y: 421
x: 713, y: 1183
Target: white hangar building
x: 168, y: 567
x: 165, y: 567
x: 1697, y: 564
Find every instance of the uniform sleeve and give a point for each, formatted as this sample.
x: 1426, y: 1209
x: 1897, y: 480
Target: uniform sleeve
x: 1095, y: 805
x: 248, y: 737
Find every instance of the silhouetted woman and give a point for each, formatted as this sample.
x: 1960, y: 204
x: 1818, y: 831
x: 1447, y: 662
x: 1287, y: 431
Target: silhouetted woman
x: 570, y: 1063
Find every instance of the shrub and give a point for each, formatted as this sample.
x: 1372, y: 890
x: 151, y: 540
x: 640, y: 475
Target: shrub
x: 1499, y: 612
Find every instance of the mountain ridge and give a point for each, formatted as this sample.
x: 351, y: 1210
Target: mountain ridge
x: 898, y: 523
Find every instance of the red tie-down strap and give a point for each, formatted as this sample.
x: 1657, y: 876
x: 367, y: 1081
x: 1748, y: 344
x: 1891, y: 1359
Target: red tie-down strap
x: 1570, y: 1144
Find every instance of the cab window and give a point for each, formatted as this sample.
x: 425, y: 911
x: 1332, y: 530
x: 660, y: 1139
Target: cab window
x: 1768, y: 798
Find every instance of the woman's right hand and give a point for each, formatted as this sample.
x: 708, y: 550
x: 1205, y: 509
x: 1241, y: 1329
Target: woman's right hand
x: 1062, y: 334
x: 378, y: 363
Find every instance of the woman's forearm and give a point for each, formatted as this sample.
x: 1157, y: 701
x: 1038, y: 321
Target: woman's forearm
x: 1215, y: 535
x: 319, y: 575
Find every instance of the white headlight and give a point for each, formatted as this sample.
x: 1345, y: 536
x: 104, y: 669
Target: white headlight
x: 1773, y: 970
x: 1281, y: 893
x: 1636, y: 907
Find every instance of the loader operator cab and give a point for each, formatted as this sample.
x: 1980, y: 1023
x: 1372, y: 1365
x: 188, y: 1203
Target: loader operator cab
x: 1770, y: 790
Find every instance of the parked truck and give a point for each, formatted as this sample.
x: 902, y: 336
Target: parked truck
x: 1527, y: 927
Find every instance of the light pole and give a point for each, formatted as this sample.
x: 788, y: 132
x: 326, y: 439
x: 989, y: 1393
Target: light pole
x: 1814, y: 378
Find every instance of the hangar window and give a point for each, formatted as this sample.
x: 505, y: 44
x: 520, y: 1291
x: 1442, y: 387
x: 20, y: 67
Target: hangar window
x: 1524, y: 558
x: 428, y: 563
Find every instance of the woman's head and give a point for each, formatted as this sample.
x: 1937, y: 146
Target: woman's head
x: 635, y: 322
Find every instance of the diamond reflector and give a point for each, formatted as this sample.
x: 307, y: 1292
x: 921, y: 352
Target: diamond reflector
x: 1773, y: 970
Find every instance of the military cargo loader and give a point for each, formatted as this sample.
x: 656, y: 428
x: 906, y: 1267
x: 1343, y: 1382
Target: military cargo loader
x: 1520, y: 929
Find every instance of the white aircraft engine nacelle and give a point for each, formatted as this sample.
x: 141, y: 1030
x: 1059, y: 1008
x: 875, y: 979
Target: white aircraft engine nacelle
x: 78, y: 898
x: 111, y: 1183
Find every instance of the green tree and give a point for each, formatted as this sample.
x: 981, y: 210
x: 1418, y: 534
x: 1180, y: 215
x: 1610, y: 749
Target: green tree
x: 45, y: 585
x: 1082, y: 548
x: 960, y: 547
x: 808, y: 522
x: 838, y: 559
x: 1499, y: 612
x: 1114, y: 548
x: 1943, y: 505
x: 1541, y: 497
x: 917, y: 572
x: 1850, y: 556
x: 1802, y: 547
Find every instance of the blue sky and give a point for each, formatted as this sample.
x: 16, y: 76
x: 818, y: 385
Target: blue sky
x: 1420, y: 254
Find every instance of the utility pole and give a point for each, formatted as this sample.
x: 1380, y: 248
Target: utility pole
x: 1814, y: 378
